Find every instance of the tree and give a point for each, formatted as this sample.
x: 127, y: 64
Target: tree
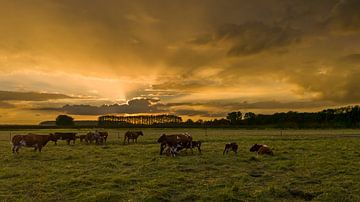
x: 64, y: 120
x: 234, y: 117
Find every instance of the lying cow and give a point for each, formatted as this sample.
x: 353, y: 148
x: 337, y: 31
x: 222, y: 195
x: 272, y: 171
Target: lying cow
x: 132, y: 135
x: 65, y: 136
x: 173, y: 142
x: 261, y: 149
x: 231, y: 147
x: 31, y: 140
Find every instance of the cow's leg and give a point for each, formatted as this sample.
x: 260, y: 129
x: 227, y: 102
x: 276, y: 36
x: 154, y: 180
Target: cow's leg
x: 73, y: 141
x: 17, y: 149
x: 68, y: 141
x: 55, y: 142
x: 162, y: 147
x: 191, y: 148
x: 199, y: 149
x: 13, y: 148
x: 224, y: 151
x: 40, y: 147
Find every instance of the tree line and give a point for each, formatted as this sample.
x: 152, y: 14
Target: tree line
x: 344, y: 117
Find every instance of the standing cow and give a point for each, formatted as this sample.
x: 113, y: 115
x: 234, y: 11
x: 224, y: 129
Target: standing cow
x: 103, y: 134
x: 31, y: 140
x: 231, y: 147
x: 132, y: 135
x: 65, y: 136
x: 175, y: 142
x: 94, y: 137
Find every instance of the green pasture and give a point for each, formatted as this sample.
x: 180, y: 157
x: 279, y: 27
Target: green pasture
x: 318, y: 165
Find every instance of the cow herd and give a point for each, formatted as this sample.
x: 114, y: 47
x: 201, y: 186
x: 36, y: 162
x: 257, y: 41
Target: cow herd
x: 170, y: 144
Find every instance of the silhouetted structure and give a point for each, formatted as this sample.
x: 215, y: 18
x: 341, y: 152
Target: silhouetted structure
x: 111, y: 120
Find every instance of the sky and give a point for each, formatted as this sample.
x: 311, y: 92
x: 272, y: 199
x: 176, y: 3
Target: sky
x: 198, y: 59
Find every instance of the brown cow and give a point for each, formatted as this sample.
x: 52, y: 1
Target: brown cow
x: 31, y: 140
x: 261, y: 149
x: 174, y: 142
x: 132, y: 135
x: 231, y: 147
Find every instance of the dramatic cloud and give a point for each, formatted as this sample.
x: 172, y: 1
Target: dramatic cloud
x: 345, y: 17
x: 6, y: 105
x: 30, y: 96
x: 250, y: 38
x: 201, y: 59
x: 134, y: 106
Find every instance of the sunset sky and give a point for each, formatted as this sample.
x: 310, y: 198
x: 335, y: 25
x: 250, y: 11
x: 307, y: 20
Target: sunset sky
x: 196, y: 59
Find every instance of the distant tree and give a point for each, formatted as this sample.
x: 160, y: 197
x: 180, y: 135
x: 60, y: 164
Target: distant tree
x: 64, y: 120
x: 199, y: 122
x: 234, y: 117
x: 189, y: 121
x: 249, y: 115
x: 250, y: 118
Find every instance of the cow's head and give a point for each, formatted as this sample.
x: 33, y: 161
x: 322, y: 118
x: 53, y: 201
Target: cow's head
x: 141, y: 133
x: 162, y: 138
x: 255, y: 147
x: 53, y: 137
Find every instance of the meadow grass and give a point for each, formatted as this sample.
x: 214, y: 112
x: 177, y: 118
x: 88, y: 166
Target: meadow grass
x: 321, y: 165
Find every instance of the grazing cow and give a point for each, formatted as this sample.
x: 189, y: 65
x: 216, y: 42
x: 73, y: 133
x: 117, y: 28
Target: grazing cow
x: 31, y: 140
x: 175, y: 141
x: 231, y: 147
x: 65, y: 136
x: 104, y: 135
x: 132, y: 135
x: 91, y: 137
x: 261, y: 149
x: 196, y: 144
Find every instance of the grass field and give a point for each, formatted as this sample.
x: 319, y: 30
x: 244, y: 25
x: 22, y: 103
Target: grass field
x: 320, y: 165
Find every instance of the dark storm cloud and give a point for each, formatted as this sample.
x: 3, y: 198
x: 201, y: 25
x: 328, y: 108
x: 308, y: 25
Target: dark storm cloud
x: 6, y: 105
x: 345, y: 16
x: 226, y: 104
x: 352, y: 58
x: 251, y: 38
x: 31, y: 96
x: 133, y: 106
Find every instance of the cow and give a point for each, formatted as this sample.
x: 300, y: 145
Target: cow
x: 231, y: 147
x: 104, y: 135
x: 91, y: 137
x: 132, y: 135
x: 31, y: 140
x: 194, y: 144
x: 173, y: 142
x: 65, y: 136
x: 81, y: 137
x: 261, y: 149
